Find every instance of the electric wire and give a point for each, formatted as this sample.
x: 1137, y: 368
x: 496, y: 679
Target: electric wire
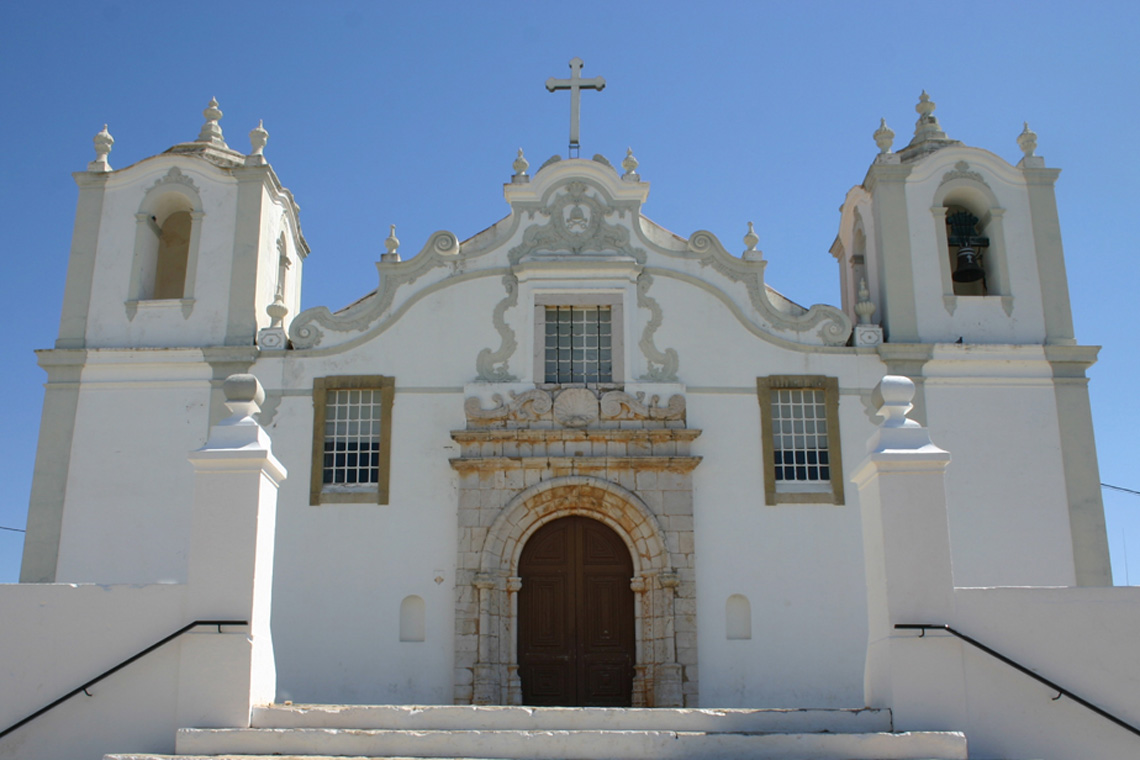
x: 1120, y: 488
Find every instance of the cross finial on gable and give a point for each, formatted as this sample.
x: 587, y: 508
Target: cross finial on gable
x: 575, y: 84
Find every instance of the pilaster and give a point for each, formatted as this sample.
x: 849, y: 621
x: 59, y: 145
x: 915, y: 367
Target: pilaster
x: 241, y: 321
x: 81, y: 260
x: 53, y: 460
x: 1078, y: 457
x: 887, y: 183
x: 1050, y: 257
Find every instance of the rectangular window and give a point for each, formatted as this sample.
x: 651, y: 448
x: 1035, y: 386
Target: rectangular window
x: 352, y: 430
x: 578, y: 338
x: 579, y: 344
x: 800, y: 419
x: 799, y: 435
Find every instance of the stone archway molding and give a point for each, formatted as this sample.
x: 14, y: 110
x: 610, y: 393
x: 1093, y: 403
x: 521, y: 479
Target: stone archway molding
x: 600, y: 499
x: 658, y: 675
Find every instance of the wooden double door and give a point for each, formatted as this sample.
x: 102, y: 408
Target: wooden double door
x: 576, y: 629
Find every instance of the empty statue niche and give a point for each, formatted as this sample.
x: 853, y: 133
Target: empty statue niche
x: 738, y: 618
x: 412, y: 619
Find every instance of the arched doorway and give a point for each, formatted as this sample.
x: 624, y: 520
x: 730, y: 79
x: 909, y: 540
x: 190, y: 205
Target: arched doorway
x: 576, y: 616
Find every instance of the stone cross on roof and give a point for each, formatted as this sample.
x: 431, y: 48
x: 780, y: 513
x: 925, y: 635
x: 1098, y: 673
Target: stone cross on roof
x: 575, y: 84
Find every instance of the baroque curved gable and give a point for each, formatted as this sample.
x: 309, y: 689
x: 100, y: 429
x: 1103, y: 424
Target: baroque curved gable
x: 580, y: 216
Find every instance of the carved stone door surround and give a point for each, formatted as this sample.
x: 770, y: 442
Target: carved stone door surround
x: 542, y: 455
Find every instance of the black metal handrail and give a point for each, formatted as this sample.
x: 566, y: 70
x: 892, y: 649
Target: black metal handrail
x: 1018, y: 666
x: 120, y: 666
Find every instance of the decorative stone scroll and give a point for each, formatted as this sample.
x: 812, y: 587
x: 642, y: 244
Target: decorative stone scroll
x: 312, y: 325
x: 830, y: 325
x: 662, y: 364
x: 494, y: 366
x: 575, y: 408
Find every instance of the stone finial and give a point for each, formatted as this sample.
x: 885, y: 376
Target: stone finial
x: 750, y: 240
x: 1027, y: 141
x: 866, y: 334
x: 925, y: 105
x: 897, y: 432
x: 211, y: 132
x: 864, y: 307
x: 895, y: 393
x: 103, y: 143
x: 273, y: 338
x: 630, y: 164
x: 258, y: 138
x: 277, y: 311
x: 927, y: 126
x: 244, y: 395
x: 392, y: 245
x: 520, y: 166
x: 884, y: 137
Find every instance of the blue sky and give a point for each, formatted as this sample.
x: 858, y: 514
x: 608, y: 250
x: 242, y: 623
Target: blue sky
x: 411, y: 113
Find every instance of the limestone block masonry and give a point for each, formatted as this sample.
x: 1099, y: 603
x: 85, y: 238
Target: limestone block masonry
x: 546, y: 454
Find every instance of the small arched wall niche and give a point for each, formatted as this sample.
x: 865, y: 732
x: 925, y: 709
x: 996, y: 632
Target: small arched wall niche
x: 412, y: 624
x: 738, y: 618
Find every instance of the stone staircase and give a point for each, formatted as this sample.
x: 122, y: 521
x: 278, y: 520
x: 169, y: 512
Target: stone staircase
x: 554, y: 733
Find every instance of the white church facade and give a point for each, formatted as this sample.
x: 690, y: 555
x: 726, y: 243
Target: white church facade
x: 576, y: 460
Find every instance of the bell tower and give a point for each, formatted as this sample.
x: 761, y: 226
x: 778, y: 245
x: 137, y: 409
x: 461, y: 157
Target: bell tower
x: 958, y: 253
x: 186, y: 248
x: 182, y: 268
x: 955, y: 244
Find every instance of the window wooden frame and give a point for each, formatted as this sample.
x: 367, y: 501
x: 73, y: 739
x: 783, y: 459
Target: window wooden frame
x: 369, y: 493
x: 809, y: 492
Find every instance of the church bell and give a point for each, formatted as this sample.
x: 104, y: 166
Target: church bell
x: 968, y: 269
x: 962, y: 234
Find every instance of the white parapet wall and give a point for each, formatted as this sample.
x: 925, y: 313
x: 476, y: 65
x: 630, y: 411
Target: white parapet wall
x: 55, y: 637
x: 1083, y: 639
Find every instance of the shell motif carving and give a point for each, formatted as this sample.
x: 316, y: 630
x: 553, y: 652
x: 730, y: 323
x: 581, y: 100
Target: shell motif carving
x: 576, y: 407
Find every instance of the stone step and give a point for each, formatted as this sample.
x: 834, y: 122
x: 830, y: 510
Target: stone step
x: 458, y: 717
x: 559, y: 744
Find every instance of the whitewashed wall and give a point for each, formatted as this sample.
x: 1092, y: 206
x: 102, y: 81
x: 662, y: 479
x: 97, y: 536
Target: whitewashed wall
x: 56, y: 637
